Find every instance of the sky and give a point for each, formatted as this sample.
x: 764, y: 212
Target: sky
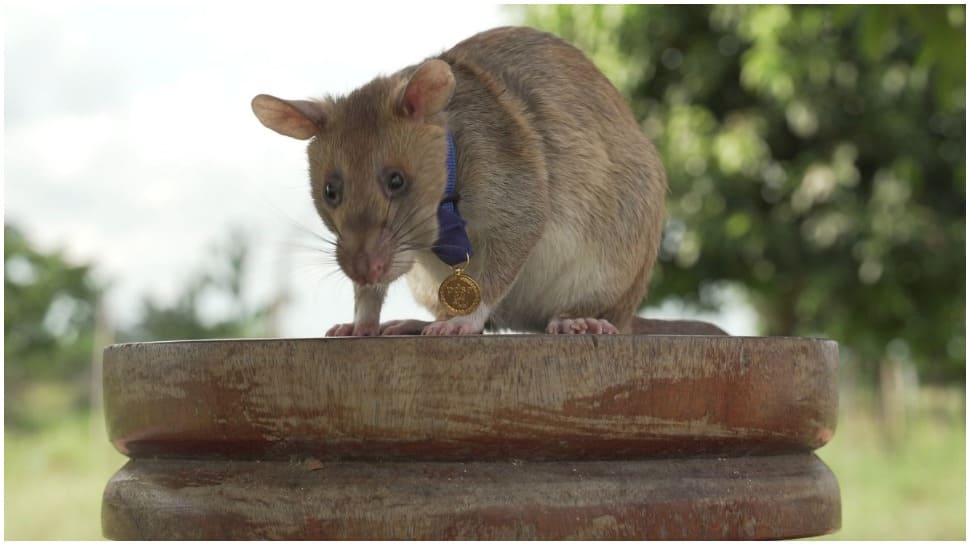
x: 129, y: 141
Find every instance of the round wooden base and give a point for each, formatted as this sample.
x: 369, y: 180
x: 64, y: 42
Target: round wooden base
x: 490, y: 437
x: 783, y: 496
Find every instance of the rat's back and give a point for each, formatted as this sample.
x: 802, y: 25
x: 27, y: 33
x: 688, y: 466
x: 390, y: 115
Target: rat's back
x: 603, y: 179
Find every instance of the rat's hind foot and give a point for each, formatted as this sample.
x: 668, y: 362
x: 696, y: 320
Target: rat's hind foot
x: 571, y: 326
x: 403, y: 327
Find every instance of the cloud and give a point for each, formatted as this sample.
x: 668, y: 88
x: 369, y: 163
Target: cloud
x: 129, y: 139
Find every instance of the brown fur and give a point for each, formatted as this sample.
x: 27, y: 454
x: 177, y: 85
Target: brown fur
x: 562, y: 192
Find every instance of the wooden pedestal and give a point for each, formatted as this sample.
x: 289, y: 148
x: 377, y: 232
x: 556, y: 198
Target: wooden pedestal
x: 486, y: 437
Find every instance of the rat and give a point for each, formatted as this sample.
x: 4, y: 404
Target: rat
x: 557, y: 204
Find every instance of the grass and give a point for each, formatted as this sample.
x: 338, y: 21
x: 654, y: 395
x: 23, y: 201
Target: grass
x: 54, y: 479
x: 909, y: 487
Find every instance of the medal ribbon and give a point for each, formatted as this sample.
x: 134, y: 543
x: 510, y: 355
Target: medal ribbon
x: 452, y: 246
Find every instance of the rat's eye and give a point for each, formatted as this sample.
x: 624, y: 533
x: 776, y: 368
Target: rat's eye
x: 394, y: 182
x: 331, y: 191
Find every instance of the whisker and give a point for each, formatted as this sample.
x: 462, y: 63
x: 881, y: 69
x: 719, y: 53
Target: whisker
x: 400, y: 221
x: 387, y: 210
x: 414, y: 247
x: 303, y: 269
x: 314, y: 266
x: 423, y: 232
x: 320, y: 281
x: 300, y: 226
x: 314, y: 249
x: 415, y: 236
x: 413, y: 242
x: 412, y: 231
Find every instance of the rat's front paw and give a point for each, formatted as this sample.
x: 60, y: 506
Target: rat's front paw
x: 461, y: 325
x: 354, y: 330
x: 341, y: 330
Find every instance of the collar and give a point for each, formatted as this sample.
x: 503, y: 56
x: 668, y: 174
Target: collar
x: 452, y: 246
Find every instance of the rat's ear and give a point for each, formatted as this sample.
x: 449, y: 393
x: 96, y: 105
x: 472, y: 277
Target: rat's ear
x: 295, y: 118
x: 428, y: 91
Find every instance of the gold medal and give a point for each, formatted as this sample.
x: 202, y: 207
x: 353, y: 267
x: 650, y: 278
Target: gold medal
x: 459, y: 293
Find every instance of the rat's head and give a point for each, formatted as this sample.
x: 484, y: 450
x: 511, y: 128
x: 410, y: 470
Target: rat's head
x: 377, y: 165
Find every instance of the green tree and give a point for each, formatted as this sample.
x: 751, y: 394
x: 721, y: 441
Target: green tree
x: 816, y: 158
x: 49, y: 313
x: 219, y: 283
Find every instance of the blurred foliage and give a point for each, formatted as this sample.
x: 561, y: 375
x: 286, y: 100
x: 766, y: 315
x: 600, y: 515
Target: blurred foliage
x: 50, y: 308
x: 48, y: 320
x: 218, y: 284
x: 816, y: 159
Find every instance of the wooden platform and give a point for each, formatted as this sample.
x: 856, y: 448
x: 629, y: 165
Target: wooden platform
x: 486, y: 437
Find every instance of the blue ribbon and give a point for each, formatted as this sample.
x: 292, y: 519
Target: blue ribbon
x: 452, y: 246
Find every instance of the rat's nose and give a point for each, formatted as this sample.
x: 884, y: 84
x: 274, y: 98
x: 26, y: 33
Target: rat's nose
x: 369, y: 268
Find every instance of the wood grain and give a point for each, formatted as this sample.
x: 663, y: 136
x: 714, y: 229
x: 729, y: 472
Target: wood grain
x: 780, y: 496
x: 492, y: 397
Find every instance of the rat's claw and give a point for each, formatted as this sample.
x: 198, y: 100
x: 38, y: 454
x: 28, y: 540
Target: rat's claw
x: 572, y: 326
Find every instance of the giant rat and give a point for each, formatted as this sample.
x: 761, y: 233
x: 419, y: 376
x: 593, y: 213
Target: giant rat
x: 561, y: 193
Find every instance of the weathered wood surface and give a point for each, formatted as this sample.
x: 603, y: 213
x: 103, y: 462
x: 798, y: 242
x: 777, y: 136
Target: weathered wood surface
x: 781, y: 496
x: 493, y: 397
